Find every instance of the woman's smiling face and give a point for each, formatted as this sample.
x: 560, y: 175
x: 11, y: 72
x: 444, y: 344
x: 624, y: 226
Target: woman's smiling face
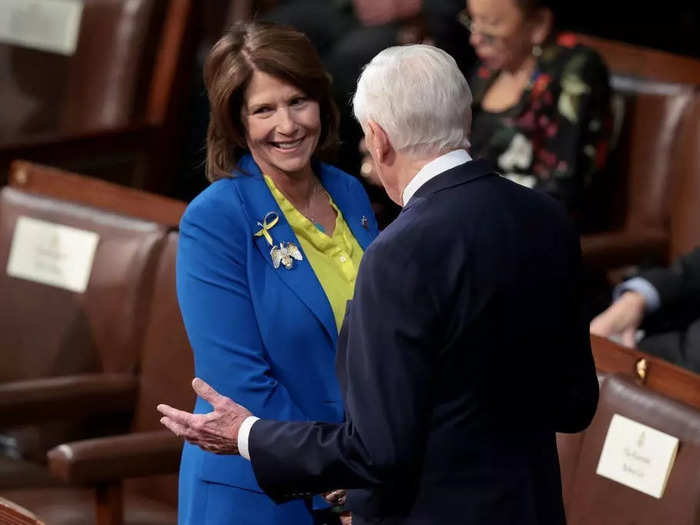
x: 282, y: 124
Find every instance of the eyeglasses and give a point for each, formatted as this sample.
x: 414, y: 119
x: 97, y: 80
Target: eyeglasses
x: 474, y: 28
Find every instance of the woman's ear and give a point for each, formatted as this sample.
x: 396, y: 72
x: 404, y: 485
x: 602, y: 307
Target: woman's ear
x: 543, y: 22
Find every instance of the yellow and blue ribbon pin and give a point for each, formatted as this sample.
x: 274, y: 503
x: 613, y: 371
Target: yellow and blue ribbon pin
x: 268, y: 222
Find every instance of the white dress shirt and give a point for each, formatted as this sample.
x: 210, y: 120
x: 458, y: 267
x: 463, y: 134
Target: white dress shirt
x: 652, y: 301
x: 243, y: 433
x: 434, y: 168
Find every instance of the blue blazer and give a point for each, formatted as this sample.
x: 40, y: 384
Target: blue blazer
x: 262, y: 336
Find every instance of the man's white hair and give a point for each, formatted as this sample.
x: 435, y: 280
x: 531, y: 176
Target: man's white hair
x: 418, y: 95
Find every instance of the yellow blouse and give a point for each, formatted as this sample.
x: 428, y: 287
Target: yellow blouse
x: 335, y: 259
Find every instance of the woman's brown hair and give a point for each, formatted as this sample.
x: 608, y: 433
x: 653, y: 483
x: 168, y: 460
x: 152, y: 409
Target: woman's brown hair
x: 277, y: 50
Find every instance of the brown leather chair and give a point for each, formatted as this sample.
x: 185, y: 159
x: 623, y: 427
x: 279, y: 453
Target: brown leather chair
x: 569, y: 450
x: 685, y: 207
x: 62, y: 353
x: 90, y: 191
x: 598, y: 500
x: 130, y: 478
x: 647, y: 370
x: 13, y: 514
x: 653, y: 93
x: 644, y: 370
x: 112, y: 108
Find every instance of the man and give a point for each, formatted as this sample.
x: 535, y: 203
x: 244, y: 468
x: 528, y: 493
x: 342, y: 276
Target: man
x: 463, y: 351
x: 666, y: 302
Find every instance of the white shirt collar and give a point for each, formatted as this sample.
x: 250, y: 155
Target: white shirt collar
x: 434, y: 168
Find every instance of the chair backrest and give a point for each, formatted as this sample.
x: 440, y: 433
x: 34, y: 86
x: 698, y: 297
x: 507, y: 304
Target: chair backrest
x: 652, y: 91
x: 13, y: 514
x: 685, y: 212
x: 569, y: 450
x: 654, y: 373
x: 114, y: 107
x: 100, y: 86
x: 652, y: 116
x: 598, y: 500
x: 166, y: 370
x: 90, y: 191
x: 47, y: 330
x: 643, y: 62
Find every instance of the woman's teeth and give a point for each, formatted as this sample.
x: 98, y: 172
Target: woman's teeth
x: 288, y: 145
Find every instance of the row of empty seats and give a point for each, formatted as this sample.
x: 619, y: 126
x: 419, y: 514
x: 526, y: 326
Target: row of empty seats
x: 92, y: 364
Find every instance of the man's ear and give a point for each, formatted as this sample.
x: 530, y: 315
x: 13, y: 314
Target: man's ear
x: 380, y: 143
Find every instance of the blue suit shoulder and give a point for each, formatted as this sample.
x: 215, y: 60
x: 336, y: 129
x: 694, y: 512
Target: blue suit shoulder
x: 220, y: 201
x: 217, y: 214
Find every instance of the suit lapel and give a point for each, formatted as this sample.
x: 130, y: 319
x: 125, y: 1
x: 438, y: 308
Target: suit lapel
x: 300, y: 279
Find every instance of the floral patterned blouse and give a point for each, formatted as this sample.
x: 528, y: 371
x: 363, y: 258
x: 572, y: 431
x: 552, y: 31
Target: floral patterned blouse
x: 556, y: 137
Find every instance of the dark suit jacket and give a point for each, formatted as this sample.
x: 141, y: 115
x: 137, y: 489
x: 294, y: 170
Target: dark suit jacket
x: 461, y: 355
x: 679, y: 286
x: 674, y: 331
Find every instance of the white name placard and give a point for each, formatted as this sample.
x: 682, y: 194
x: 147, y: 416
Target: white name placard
x: 637, y: 455
x: 52, y: 254
x: 48, y: 25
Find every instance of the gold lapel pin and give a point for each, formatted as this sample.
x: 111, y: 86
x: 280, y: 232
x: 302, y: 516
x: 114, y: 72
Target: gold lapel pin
x: 285, y: 254
x: 267, y: 223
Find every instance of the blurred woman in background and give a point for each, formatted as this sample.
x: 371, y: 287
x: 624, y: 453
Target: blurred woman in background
x: 541, y: 109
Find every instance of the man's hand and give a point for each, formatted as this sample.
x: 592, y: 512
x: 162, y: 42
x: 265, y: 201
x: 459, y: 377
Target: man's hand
x: 622, y: 318
x: 339, y: 497
x: 336, y: 497
x: 216, y: 431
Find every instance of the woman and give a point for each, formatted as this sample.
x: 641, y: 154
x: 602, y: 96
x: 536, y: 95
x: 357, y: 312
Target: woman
x: 541, y: 109
x: 267, y: 258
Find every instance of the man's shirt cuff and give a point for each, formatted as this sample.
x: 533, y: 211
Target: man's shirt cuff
x: 243, y: 433
x: 652, y: 301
